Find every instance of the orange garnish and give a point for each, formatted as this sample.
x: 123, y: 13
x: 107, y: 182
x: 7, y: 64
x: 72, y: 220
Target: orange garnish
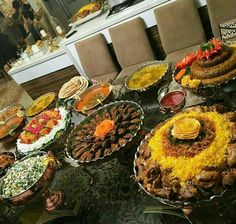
x: 103, y: 128
x: 180, y: 74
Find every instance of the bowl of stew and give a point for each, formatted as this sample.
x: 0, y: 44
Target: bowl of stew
x: 92, y: 97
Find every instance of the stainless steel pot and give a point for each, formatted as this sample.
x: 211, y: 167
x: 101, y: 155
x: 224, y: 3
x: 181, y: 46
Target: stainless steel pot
x: 113, y: 3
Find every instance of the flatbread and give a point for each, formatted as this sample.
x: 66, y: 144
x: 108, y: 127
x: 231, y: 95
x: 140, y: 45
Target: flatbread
x: 73, y: 87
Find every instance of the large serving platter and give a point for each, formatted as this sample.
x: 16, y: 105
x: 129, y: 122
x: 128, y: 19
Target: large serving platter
x: 197, y: 202
x: 174, y: 203
x: 101, y: 111
x: 209, y: 86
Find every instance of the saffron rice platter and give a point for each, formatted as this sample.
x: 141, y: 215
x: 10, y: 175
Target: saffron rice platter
x: 189, y: 157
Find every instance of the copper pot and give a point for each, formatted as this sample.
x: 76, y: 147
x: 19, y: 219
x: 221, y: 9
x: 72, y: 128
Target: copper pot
x: 38, y: 187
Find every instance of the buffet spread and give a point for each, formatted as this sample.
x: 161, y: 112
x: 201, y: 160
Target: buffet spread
x: 187, y: 158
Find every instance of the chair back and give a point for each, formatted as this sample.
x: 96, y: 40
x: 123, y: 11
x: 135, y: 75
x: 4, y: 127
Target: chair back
x: 95, y: 57
x: 179, y: 25
x: 130, y: 42
x: 219, y: 12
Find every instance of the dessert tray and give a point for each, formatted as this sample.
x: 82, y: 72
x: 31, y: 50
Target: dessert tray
x: 211, y: 66
x: 107, y: 130
x: 42, y: 130
x: 189, y: 158
x: 147, y: 75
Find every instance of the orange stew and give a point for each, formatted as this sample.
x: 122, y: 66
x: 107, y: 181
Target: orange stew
x: 92, y: 98
x: 103, y: 128
x: 10, y: 124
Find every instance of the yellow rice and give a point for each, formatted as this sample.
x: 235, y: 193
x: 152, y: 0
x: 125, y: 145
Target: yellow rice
x: 186, y: 168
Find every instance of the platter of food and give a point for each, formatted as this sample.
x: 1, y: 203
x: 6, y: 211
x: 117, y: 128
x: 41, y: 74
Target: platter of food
x: 42, y: 130
x: 92, y: 97
x: 107, y: 130
x: 73, y: 87
x: 147, y: 75
x: 11, y: 118
x: 86, y: 13
x: 27, y: 178
x: 40, y: 104
x: 189, y: 158
x: 211, y: 66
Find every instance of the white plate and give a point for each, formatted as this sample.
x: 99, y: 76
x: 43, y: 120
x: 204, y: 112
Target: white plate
x: 87, y: 18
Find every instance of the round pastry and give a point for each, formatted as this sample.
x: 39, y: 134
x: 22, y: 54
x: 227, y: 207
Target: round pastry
x: 190, y: 157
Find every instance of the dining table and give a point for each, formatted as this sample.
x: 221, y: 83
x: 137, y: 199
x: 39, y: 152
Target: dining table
x: 113, y: 196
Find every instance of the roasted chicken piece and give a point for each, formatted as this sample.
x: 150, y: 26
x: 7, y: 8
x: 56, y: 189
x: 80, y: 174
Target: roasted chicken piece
x: 187, y: 192
x: 208, y: 179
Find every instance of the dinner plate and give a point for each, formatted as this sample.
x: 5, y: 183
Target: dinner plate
x: 87, y: 18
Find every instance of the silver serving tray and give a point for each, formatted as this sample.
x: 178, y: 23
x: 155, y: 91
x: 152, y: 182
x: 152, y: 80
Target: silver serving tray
x: 76, y: 162
x: 173, y: 203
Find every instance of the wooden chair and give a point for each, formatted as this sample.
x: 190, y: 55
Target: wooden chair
x: 180, y: 28
x: 131, y: 45
x: 220, y: 11
x: 96, y: 59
